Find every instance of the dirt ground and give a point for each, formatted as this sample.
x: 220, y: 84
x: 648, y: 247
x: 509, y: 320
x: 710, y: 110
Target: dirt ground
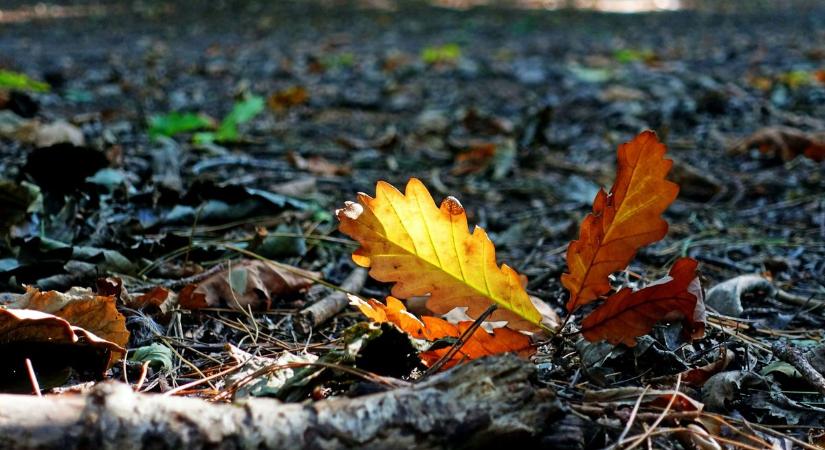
x: 516, y: 112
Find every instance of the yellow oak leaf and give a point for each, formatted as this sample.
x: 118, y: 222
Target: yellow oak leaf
x: 407, y: 240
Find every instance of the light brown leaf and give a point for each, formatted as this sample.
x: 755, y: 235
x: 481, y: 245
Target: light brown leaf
x: 248, y: 283
x: 622, y: 221
x: 53, y: 346
x: 81, y: 308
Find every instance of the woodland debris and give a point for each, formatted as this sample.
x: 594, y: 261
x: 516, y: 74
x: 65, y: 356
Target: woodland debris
x: 726, y: 297
x: 480, y: 404
x: 786, y: 143
x: 324, y: 309
x: 246, y: 284
x: 791, y: 355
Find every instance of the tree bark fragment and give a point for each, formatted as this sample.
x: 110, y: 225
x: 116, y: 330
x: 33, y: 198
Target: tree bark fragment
x: 483, y: 404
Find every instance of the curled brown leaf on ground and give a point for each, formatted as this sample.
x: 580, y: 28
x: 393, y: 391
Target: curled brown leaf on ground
x: 81, y: 308
x: 53, y: 347
x: 248, y: 283
x: 786, y: 143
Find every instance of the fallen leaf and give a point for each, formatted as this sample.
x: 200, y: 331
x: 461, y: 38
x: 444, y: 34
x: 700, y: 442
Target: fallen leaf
x: 317, y: 165
x: 158, y: 356
x: 627, y: 315
x: 287, y: 98
x: 58, y: 132
x: 248, y: 283
x: 405, y: 239
x: 441, y: 54
x: 32, y: 131
x: 480, y: 343
x: 55, y: 348
x: 621, y: 222
x: 177, y: 122
x: 786, y: 143
x: 158, y: 297
x: 21, y: 81
x: 80, y: 307
x: 726, y: 297
x: 476, y: 159
x: 699, y: 375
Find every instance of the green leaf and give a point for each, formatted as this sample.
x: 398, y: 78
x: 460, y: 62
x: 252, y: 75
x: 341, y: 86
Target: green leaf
x: 156, y: 354
x: 781, y: 367
x: 15, y: 80
x: 447, y: 53
x: 242, y: 112
x: 629, y: 55
x: 176, y: 123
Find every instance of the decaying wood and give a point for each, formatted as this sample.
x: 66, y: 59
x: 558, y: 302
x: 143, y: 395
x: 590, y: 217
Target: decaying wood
x: 482, y: 404
x: 324, y: 309
x: 793, y: 356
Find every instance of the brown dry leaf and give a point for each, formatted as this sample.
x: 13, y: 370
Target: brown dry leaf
x: 317, y: 165
x: 481, y: 343
x: 407, y: 240
x: 81, y: 308
x: 476, y: 159
x: 250, y: 283
x: 698, y: 375
x: 287, y: 98
x: 627, y: 315
x: 621, y: 222
x: 55, y: 348
x: 786, y: 143
x: 158, y: 297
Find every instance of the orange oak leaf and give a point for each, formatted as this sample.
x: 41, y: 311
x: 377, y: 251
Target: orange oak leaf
x: 621, y: 222
x: 424, y: 249
x: 481, y: 343
x: 627, y: 315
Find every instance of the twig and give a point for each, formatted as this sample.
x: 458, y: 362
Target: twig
x: 144, y: 369
x: 632, y: 417
x: 647, y: 433
x: 33, y: 378
x: 787, y: 297
x: 461, y: 341
x: 191, y: 384
x: 324, y: 309
x: 791, y: 355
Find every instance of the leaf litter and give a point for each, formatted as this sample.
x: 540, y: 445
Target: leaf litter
x: 116, y: 177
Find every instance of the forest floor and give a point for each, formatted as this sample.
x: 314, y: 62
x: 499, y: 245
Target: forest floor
x: 518, y: 113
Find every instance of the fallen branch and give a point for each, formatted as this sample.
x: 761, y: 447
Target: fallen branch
x: 791, y: 355
x: 478, y: 404
x: 324, y: 309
